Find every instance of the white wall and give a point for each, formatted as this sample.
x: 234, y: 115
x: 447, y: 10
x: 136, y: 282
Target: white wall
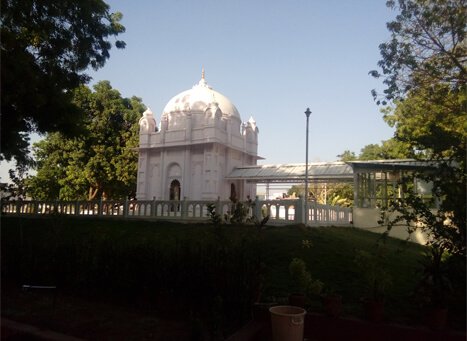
x: 367, y: 219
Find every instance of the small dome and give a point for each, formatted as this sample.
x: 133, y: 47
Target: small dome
x: 199, y: 98
x: 147, y: 112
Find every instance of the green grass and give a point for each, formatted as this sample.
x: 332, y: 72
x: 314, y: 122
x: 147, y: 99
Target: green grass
x: 170, y: 256
x: 330, y: 259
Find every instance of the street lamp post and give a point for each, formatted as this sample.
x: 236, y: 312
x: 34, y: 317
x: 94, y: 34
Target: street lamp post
x: 307, y: 113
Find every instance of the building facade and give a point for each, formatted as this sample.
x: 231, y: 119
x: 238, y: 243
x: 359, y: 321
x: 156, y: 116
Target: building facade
x: 199, y: 141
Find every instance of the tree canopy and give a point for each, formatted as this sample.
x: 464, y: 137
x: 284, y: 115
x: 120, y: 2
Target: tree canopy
x: 427, y: 47
x: 46, y: 47
x: 100, y: 163
x: 388, y: 149
x: 432, y: 121
x: 423, y: 66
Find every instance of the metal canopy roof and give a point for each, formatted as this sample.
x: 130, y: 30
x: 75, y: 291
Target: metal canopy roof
x: 323, y: 172
x: 391, y: 165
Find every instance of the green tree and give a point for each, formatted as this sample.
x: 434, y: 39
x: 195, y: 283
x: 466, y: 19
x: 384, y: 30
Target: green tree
x: 101, y: 163
x: 396, y: 149
x: 340, y: 195
x: 326, y: 193
x: 424, y: 69
x: 347, y: 155
x: 46, y: 48
x: 370, y: 152
x: 427, y: 47
x: 388, y: 149
x: 299, y: 190
x: 432, y: 120
x: 17, y: 188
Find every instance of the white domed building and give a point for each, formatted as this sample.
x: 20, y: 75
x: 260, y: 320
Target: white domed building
x: 200, y: 140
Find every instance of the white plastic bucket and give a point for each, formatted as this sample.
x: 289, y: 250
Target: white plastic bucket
x: 287, y: 323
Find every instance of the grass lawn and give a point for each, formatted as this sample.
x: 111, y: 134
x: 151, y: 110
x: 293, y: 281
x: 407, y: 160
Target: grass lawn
x: 330, y: 258
x: 199, y: 267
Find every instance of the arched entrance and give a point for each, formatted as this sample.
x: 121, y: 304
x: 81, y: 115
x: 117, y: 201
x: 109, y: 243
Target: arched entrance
x: 175, y: 190
x: 174, y: 195
x: 233, y: 192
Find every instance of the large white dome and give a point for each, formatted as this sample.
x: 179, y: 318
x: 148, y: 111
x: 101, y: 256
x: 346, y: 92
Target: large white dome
x: 199, y: 98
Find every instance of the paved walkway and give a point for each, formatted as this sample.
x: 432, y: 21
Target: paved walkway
x: 12, y: 330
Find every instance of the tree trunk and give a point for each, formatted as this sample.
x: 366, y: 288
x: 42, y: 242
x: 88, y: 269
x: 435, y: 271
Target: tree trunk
x: 92, y: 193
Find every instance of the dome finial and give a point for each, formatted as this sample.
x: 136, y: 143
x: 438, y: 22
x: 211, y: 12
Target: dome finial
x: 202, y: 82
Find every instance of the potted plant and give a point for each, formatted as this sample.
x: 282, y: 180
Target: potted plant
x: 305, y: 285
x: 434, y: 288
x: 376, y: 279
x: 332, y: 302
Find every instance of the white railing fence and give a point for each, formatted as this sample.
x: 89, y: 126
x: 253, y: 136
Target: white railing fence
x: 281, y: 212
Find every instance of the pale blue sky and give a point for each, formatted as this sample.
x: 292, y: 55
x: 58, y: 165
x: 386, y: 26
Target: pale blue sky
x: 271, y: 58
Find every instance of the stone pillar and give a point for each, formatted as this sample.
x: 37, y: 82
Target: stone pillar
x: 184, y: 208
x: 300, y: 210
x: 315, y: 211
x: 142, y: 176
x: 100, y: 208
x: 125, y: 208
x: 356, y: 189
x: 257, y: 209
x: 153, y: 207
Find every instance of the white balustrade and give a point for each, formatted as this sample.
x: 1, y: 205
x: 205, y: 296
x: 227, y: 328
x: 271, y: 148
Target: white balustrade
x: 281, y: 212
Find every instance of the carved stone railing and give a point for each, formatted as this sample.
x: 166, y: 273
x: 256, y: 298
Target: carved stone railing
x: 281, y: 212
x: 329, y: 215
